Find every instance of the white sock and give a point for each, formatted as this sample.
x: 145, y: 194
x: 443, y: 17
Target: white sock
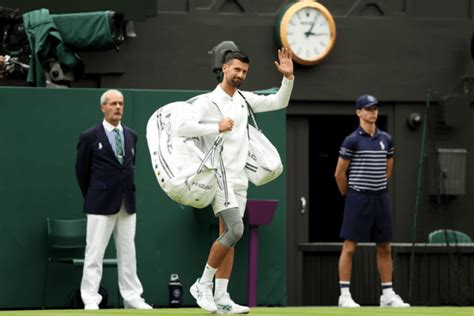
x: 221, y: 287
x: 345, y: 286
x: 207, y: 274
x: 387, y: 289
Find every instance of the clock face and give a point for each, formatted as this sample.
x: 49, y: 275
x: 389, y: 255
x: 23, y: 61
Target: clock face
x: 309, y: 31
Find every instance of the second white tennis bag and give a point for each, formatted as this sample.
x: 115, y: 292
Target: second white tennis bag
x: 184, y: 172
x: 263, y: 160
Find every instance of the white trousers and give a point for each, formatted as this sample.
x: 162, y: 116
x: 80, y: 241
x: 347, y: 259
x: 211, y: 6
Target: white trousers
x: 99, y: 230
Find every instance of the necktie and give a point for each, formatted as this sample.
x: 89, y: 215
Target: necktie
x: 118, y: 145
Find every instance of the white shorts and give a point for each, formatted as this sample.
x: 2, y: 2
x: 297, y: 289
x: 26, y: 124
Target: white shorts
x: 237, y: 197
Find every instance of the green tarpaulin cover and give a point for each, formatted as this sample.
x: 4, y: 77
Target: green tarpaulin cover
x: 57, y: 35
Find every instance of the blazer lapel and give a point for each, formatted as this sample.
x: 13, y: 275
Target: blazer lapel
x: 127, y: 144
x: 105, y: 142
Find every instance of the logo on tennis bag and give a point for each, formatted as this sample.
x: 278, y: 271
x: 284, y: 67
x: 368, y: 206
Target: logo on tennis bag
x: 186, y: 174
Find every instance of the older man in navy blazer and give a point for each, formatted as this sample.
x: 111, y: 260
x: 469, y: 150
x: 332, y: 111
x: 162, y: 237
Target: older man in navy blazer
x: 105, y: 172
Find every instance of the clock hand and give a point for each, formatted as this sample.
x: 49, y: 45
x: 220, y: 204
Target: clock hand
x: 310, y: 31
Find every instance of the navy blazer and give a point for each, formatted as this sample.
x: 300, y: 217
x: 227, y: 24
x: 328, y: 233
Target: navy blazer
x: 103, y: 180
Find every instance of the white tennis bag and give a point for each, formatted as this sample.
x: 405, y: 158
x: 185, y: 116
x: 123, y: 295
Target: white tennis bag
x: 186, y: 174
x: 263, y: 161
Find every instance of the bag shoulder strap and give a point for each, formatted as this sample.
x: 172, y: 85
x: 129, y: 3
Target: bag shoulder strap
x: 250, y: 109
x: 217, y: 106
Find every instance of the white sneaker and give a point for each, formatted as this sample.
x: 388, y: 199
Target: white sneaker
x: 137, y: 304
x: 91, y: 306
x: 345, y: 300
x: 225, y: 305
x: 203, y: 295
x: 392, y: 301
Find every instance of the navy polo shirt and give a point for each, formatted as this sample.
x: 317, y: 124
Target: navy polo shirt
x: 368, y: 156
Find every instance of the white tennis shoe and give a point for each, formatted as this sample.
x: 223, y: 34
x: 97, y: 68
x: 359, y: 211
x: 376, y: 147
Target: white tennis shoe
x: 225, y: 305
x: 203, y: 295
x: 345, y: 300
x: 392, y: 301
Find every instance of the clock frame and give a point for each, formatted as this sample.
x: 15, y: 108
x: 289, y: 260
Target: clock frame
x: 282, y: 24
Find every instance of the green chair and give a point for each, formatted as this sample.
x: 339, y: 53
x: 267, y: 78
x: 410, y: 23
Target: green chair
x: 66, y: 245
x: 448, y: 236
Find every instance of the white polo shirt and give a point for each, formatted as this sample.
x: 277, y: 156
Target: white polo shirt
x: 206, y: 116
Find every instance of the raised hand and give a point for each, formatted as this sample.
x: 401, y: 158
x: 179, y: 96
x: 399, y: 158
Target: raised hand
x: 285, y: 63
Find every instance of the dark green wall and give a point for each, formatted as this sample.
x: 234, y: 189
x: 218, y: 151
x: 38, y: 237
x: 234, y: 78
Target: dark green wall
x: 39, y: 133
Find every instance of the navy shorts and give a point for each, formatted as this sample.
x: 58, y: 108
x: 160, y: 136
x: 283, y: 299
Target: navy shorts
x: 367, y: 217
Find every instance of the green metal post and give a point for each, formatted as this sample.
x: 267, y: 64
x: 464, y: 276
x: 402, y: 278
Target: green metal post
x: 417, y: 198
